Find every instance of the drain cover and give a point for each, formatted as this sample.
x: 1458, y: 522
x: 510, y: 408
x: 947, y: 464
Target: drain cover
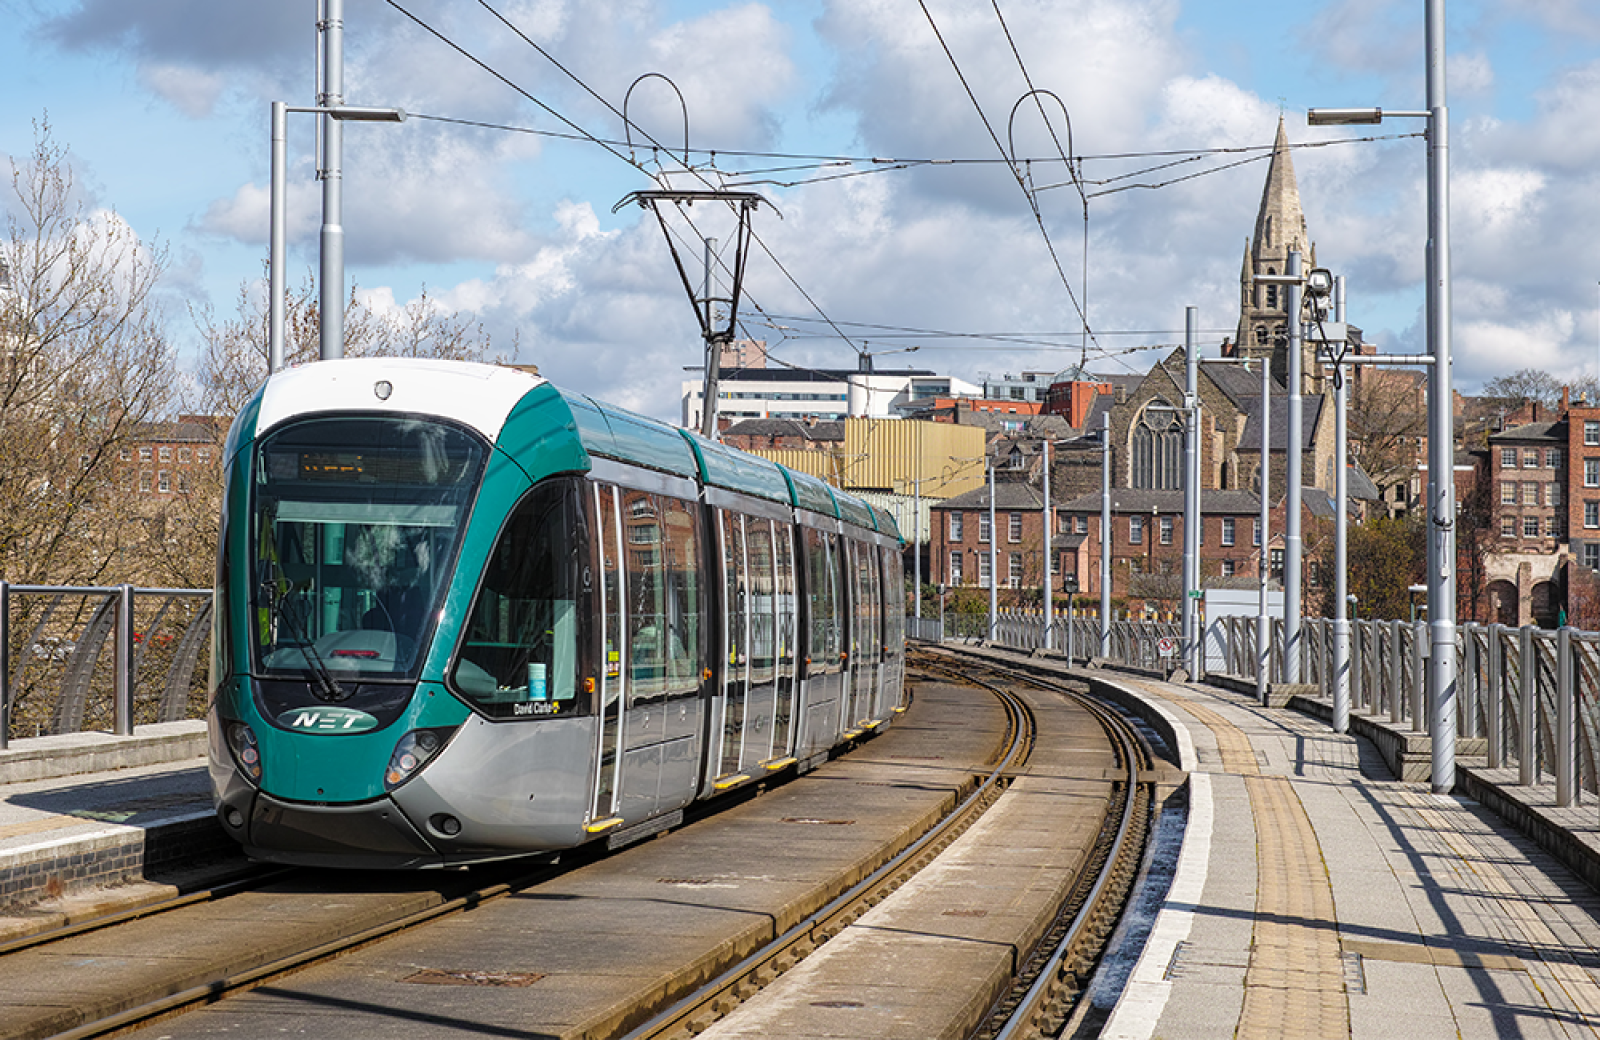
x: 440, y: 977
x: 837, y: 1004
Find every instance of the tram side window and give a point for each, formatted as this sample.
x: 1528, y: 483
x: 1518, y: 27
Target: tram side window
x: 824, y: 596
x: 762, y: 650
x: 647, y: 598
x: 522, y: 655
x: 680, y: 540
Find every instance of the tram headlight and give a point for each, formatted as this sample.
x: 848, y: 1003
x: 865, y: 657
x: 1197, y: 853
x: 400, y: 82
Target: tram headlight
x: 246, y: 751
x: 411, y: 752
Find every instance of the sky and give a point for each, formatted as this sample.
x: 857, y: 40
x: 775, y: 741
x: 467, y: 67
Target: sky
x: 876, y: 133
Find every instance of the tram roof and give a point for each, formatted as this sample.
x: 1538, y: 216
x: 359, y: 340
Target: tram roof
x: 730, y: 468
x: 613, y: 433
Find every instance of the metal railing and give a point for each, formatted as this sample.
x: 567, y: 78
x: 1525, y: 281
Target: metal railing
x: 84, y: 657
x: 1527, y: 698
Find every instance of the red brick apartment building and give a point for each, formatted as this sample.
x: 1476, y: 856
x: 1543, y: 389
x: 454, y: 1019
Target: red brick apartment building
x: 170, y: 458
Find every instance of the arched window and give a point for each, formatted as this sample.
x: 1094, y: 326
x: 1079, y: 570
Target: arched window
x: 1261, y: 335
x: 1272, y: 290
x: 1158, y: 447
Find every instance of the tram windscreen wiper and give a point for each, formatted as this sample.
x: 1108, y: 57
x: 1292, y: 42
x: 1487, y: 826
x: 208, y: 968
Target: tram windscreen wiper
x: 323, y: 685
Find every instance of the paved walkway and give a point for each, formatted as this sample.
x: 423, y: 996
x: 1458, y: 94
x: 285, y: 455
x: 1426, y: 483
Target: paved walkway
x: 1318, y: 897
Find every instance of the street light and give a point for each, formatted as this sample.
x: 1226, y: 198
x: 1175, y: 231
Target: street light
x: 332, y: 317
x: 1441, y: 442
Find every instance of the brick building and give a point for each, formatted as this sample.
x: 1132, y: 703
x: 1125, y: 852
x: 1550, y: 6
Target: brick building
x: 171, y: 458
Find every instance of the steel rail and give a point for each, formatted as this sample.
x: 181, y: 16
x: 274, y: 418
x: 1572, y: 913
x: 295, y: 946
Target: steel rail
x: 1055, y: 979
x: 696, y: 1011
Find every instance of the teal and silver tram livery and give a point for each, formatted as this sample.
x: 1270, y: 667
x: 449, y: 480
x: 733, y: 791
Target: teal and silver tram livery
x: 463, y: 615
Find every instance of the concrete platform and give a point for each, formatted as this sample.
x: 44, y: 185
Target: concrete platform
x: 1317, y: 895
x: 92, y: 817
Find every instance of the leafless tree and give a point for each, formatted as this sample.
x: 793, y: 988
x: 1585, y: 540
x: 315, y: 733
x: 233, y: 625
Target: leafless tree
x: 1388, y: 417
x: 84, y: 362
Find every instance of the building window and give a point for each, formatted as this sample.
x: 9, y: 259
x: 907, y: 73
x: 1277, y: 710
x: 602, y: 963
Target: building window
x: 1591, y: 472
x: 1552, y: 458
x: 1530, y: 527
x: 1016, y: 527
x: 1135, y: 530
x: 144, y: 481
x: 1166, y: 530
x: 1530, y: 493
x: 983, y: 569
x: 983, y: 528
x: 1591, y: 555
x: 127, y: 454
x: 955, y: 566
x: 1552, y: 494
x: 1083, y: 525
x: 1508, y: 493
x: 183, y: 482
x: 1591, y: 431
x: 183, y: 454
x: 1255, y: 532
x: 163, y: 482
x: 1227, y: 568
x: 166, y: 453
x: 1591, y: 514
x: 203, y: 455
x: 1014, y: 564
x: 144, y: 454
x: 1552, y: 528
x: 1508, y: 525
x: 1158, y: 447
x: 1530, y: 458
x: 955, y: 527
x: 1276, y: 559
x: 1227, y: 530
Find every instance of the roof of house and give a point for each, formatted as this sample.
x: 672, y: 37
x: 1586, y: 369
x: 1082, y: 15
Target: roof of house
x: 1008, y: 495
x: 818, y: 431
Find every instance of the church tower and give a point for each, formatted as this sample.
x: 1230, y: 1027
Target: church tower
x: 1263, y: 309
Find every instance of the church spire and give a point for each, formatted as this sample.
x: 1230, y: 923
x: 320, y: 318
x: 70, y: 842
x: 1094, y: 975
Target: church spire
x: 1280, y: 223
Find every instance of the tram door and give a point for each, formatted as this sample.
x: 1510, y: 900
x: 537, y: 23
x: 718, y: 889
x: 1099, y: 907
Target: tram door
x: 784, y: 607
x: 866, y: 644
x: 824, y: 692
x: 735, y: 642
x: 608, y: 768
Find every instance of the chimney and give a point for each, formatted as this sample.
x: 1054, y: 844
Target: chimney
x: 1564, y: 402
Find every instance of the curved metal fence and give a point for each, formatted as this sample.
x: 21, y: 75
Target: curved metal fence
x: 100, y: 657
x: 1526, y: 698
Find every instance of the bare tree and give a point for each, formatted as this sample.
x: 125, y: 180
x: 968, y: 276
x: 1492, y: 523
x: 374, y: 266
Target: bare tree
x: 84, y: 361
x: 1388, y: 418
x: 1526, y: 385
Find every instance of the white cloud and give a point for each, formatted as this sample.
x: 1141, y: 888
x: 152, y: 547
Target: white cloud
x: 192, y: 91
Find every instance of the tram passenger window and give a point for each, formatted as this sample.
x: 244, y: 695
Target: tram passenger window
x: 647, y: 600
x: 522, y: 652
x: 678, y: 525
x: 824, y: 595
x: 758, y: 534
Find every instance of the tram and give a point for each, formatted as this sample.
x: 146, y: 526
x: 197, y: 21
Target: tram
x: 463, y: 615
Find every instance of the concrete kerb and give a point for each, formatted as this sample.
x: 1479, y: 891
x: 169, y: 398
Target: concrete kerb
x: 74, y: 754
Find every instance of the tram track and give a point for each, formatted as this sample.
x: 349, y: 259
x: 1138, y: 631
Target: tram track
x: 1043, y: 993
x: 694, y: 1013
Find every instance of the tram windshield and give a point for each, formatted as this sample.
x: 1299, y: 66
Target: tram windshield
x: 356, y: 522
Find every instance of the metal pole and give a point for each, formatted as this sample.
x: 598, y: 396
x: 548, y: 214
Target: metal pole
x: 916, y: 543
x: 994, y: 561
x: 1049, y: 608
x: 1105, y: 533
x: 1263, y: 565
x: 5, y: 664
x: 1291, y: 500
x: 1441, y: 437
x: 275, y: 247
x: 1341, y: 531
x: 1566, y: 693
x: 1191, y: 490
x: 332, y: 327
x: 1527, y: 710
x: 708, y: 408
x: 122, y: 708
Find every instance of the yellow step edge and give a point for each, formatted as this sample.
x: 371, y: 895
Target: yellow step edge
x: 778, y: 763
x: 899, y: 711
x: 601, y: 826
x: 851, y: 734
x: 870, y: 723
x: 729, y: 781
